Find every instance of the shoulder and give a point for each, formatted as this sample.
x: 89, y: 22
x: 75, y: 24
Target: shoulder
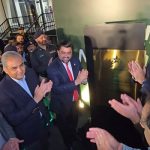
x: 75, y: 59
x: 5, y: 85
x: 4, y: 81
x: 30, y: 73
x: 37, y: 50
x: 54, y: 67
x: 52, y: 46
x: 125, y: 147
x: 55, y: 63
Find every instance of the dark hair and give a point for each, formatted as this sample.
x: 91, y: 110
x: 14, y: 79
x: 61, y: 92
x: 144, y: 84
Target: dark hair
x: 10, y: 48
x: 64, y: 43
x: 19, y: 44
x: 31, y: 42
x: 19, y: 35
x: 21, y: 28
x: 11, y: 38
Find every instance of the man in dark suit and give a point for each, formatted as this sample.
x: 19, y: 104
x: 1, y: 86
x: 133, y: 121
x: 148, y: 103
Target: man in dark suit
x: 21, y: 102
x: 66, y: 74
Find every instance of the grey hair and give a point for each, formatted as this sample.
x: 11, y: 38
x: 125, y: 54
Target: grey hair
x: 7, y: 55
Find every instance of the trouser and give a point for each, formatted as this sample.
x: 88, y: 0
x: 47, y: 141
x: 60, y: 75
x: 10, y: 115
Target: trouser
x: 53, y: 142
x: 56, y: 141
x: 41, y: 144
x: 68, y: 124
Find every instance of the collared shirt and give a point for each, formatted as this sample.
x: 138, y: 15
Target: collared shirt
x: 23, y: 84
x: 125, y: 147
x: 70, y: 68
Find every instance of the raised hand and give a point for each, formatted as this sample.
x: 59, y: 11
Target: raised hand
x: 136, y: 71
x: 103, y: 139
x: 41, y: 90
x: 129, y: 107
x: 82, y: 76
x: 12, y: 144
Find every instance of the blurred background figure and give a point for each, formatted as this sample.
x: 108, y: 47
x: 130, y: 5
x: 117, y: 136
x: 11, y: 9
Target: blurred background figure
x: 20, y: 48
x: 10, y: 48
x: 20, y: 38
x: 21, y: 31
x: 11, y: 41
x: 29, y: 49
x: 43, y: 55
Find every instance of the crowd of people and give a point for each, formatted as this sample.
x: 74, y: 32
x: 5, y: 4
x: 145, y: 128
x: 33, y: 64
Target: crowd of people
x: 33, y: 72
x: 36, y: 70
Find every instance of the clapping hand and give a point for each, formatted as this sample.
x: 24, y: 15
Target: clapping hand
x: 42, y: 89
x: 129, y: 107
x: 82, y: 76
x: 12, y: 144
x: 103, y: 139
x: 136, y: 71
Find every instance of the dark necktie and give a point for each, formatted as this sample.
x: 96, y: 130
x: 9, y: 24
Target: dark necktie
x: 75, y: 92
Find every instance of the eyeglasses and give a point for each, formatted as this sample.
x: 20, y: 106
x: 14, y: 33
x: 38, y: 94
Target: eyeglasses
x: 65, y: 53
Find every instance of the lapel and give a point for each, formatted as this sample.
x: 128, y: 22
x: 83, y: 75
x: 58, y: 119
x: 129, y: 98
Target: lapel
x: 62, y: 70
x: 16, y: 87
x: 74, y: 68
x: 29, y: 83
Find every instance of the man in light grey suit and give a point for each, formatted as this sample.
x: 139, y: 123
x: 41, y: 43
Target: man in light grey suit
x: 8, y: 141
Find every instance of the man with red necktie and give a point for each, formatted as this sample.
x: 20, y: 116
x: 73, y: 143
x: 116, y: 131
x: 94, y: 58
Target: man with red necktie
x: 67, y: 74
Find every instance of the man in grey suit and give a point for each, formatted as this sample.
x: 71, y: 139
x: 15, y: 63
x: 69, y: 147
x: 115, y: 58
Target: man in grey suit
x: 8, y: 141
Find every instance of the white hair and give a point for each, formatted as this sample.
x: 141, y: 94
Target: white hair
x: 8, y: 55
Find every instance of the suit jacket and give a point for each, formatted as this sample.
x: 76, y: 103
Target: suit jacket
x: 20, y: 109
x: 5, y: 129
x: 62, y: 90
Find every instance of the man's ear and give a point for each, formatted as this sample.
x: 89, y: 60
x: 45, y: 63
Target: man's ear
x: 5, y: 69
